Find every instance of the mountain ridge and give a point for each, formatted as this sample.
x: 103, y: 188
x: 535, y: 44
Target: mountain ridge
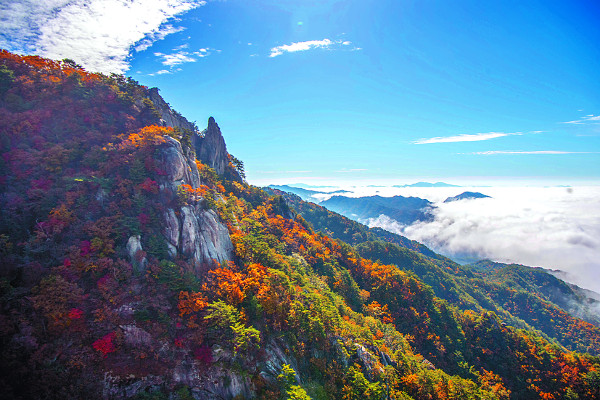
x: 437, y: 276
x: 130, y: 268
x: 405, y: 210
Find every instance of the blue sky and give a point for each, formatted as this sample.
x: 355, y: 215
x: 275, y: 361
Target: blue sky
x: 379, y: 92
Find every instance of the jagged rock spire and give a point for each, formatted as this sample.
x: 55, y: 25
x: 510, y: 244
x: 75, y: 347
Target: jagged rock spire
x: 210, y: 147
x: 212, y: 151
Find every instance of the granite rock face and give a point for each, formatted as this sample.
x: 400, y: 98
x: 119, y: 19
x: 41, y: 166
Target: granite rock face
x: 190, y: 229
x: 202, y: 237
x: 210, y: 147
x: 169, y: 117
x: 211, y: 150
x: 209, y: 144
x: 176, y: 167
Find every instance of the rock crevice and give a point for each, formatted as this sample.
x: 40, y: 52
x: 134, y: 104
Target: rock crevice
x: 190, y: 230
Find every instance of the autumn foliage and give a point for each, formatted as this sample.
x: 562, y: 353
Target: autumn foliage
x: 95, y: 299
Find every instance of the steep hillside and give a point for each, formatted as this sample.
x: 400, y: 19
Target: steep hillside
x: 137, y: 263
x: 579, y: 302
x: 521, y: 296
x: 345, y: 229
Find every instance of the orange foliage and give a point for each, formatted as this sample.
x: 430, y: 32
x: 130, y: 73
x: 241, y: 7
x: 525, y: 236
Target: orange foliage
x: 200, y: 191
x: 190, y: 303
x: 224, y: 283
x: 148, y: 135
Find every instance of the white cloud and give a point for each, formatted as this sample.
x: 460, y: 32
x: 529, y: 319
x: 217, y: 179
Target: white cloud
x: 20, y: 22
x: 183, y: 46
x: 556, y: 228
x: 493, y: 152
x: 588, y: 119
x: 159, y: 35
x: 181, y: 56
x: 465, y: 137
x: 99, y: 34
x: 307, y: 45
x: 343, y: 170
x: 173, y: 59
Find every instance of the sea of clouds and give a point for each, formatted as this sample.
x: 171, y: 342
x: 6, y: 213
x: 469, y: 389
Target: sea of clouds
x: 549, y: 227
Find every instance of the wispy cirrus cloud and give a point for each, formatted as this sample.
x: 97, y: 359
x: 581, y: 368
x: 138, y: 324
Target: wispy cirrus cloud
x: 493, y: 152
x: 308, y: 45
x: 344, y: 170
x: 98, y: 34
x: 168, y: 29
x: 588, y: 119
x: 476, y: 137
x: 182, y: 56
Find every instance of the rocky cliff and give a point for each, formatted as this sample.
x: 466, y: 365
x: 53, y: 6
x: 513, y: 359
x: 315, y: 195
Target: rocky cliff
x: 211, y: 149
x: 209, y: 144
x: 168, y: 116
x: 191, y: 230
x: 110, y: 235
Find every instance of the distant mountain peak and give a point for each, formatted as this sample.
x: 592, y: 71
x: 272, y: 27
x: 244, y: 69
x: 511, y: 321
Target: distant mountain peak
x: 427, y: 184
x: 466, y: 196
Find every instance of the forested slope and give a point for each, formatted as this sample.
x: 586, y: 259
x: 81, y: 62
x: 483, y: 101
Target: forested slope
x: 521, y: 296
x: 137, y: 263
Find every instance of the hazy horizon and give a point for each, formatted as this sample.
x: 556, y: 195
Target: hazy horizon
x: 553, y: 227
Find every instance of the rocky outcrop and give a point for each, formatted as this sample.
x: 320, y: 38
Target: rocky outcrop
x: 427, y: 364
x: 117, y: 387
x: 136, y: 253
x: 277, y: 354
x: 190, y: 229
x: 209, y: 144
x: 371, y: 358
x: 368, y: 360
x: 214, y: 240
x: 135, y: 336
x: 210, y: 147
x: 175, y: 167
x: 223, y: 383
x: 202, y: 237
x: 211, y: 150
x: 169, y: 117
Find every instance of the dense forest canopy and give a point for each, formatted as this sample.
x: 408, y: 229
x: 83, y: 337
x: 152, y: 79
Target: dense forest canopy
x: 132, y: 269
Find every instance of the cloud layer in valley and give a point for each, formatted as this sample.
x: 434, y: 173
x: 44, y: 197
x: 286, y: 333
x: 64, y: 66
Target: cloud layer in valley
x: 99, y: 34
x: 556, y: 228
